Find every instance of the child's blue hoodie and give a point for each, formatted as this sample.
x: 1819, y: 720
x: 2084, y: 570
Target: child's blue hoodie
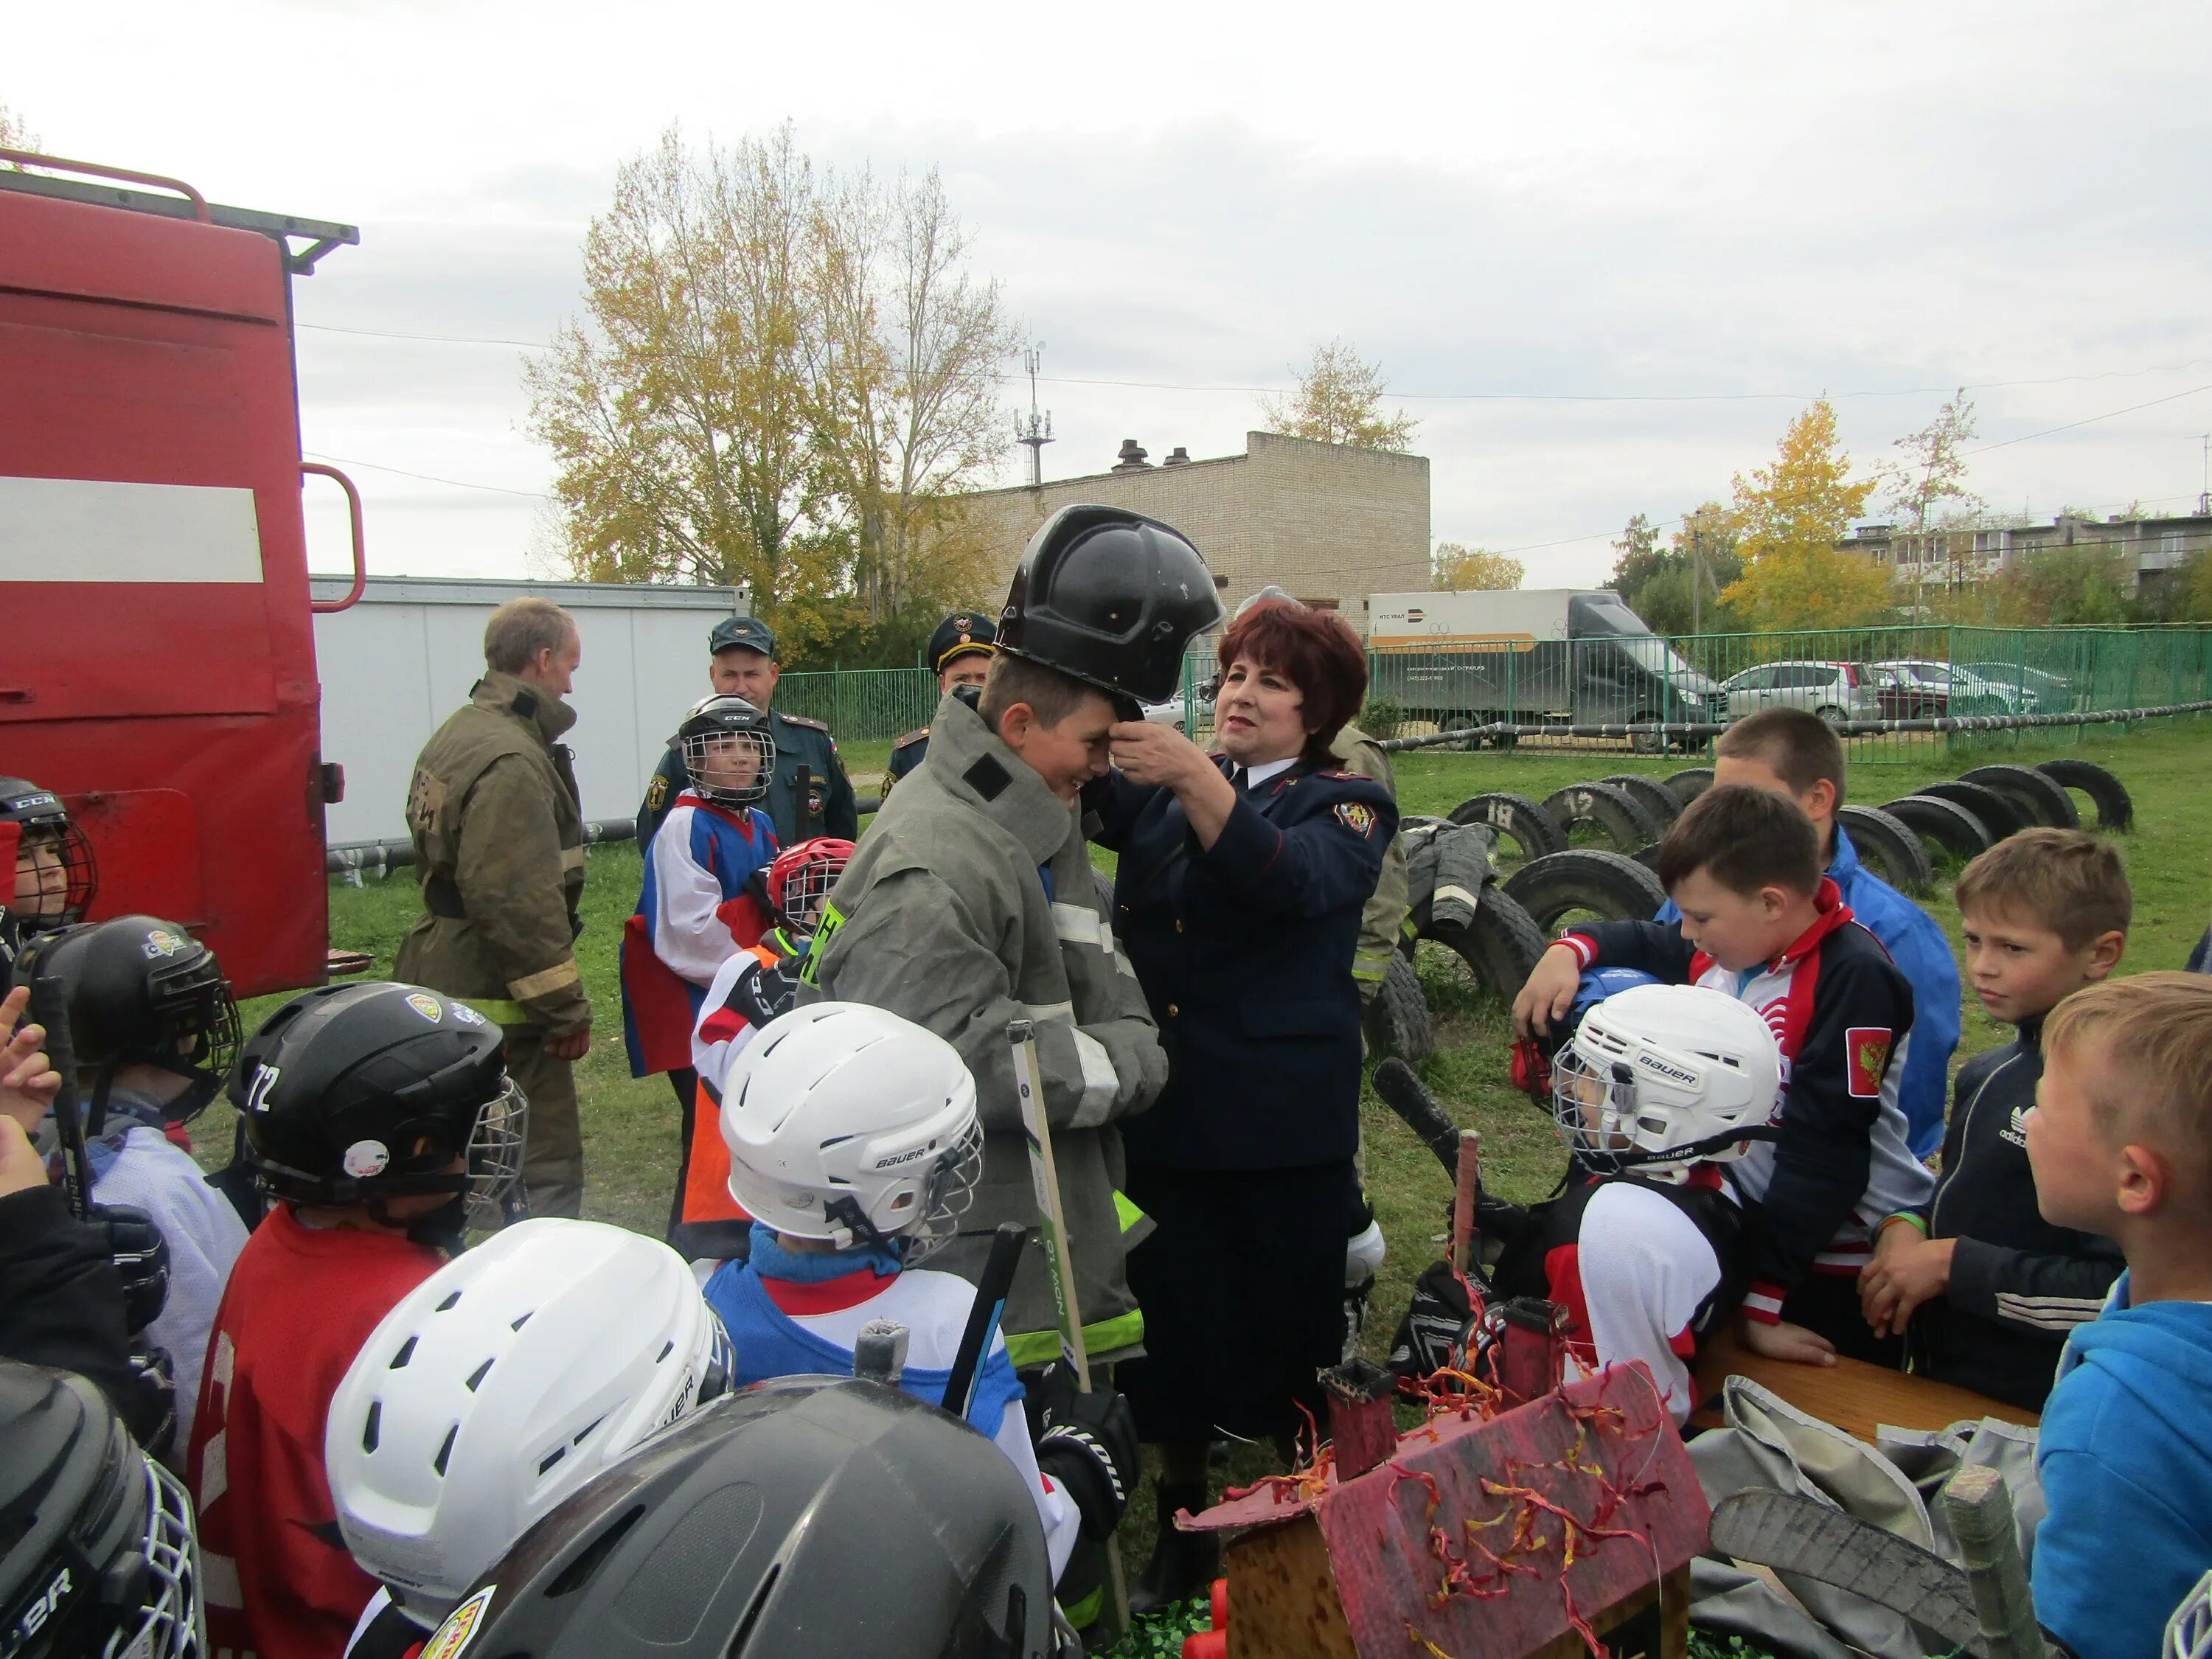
x: 2125, y: 1458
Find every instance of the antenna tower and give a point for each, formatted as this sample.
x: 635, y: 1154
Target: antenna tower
x: 2204, y: 501
x: 1035, y: 431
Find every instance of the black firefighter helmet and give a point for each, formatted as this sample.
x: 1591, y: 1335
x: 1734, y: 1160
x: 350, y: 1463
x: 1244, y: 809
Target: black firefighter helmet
x: 73, y: 879
x: 353, y: 1094
x: 1111, y: 598
x: 828, y: 1517
x: 141, y: 992
x: 96, y: 1548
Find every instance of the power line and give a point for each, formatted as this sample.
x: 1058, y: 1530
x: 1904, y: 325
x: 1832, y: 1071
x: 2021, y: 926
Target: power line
x: 2087, y: 420
x: 427, y: 477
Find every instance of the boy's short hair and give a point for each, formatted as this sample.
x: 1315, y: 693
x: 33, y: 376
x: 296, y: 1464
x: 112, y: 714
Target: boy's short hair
x: 1054, y: 695
x: 2064, y: 880
x: 1745, y: 839
x: 1796, y: 745
x: 2154, y: 1032
x: 520, y: 629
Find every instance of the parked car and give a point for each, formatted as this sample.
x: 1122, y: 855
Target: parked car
x: 1174, y: 713
x: 1942, y: 688
x: 1836, y: 691
x: 2042, y: 693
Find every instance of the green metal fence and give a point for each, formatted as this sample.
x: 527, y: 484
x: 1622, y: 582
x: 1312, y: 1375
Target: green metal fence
x: 1850, y: 674
x: 861, y: 705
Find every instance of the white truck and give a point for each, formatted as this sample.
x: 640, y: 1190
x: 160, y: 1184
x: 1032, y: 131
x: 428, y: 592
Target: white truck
x: 1530, y: 655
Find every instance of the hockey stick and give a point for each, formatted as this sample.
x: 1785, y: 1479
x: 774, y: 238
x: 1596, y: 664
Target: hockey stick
x: 1467, y: 1200
x: 1797, y: 1535
x: 48, y: 1008
x: 1403, y: 1093
x: 992, y: 1289
x: 1044, y: 1178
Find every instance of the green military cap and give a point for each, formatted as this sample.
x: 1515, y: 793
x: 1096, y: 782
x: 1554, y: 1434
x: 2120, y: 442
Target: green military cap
x: 961, y: 634
x: 745, y: 633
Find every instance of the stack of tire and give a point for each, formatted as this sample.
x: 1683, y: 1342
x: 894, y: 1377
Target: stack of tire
x: 1964, y: 815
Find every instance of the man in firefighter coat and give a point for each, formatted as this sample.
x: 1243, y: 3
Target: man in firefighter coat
x: 499, y: 851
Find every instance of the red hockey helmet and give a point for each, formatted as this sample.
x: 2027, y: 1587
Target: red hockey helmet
x: 802, y: 876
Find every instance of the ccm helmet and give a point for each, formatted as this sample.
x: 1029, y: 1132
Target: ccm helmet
x: 56, y: 874
x: 720, y: 738
x: 828, y: 1517
x: 355, y: 1093
x: 1660, y: 1077
x: 141, y: 992
x: 97, y: 1554
x: 1111, y: 598
x: 848, y: 1123
x: 801, y: 877
x: 499, y: 1386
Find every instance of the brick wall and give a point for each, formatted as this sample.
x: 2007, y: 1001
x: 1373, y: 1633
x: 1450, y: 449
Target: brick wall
x: 1324, y: 521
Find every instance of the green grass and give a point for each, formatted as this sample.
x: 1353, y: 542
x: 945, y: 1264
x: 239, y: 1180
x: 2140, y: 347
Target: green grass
x: 630, y: 1124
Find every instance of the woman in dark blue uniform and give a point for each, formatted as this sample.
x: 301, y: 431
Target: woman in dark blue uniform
x: 1241, y: 881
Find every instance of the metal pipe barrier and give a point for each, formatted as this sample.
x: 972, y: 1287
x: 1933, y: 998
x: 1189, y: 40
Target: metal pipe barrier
x: 1681, y: 731
x: 381, y: 858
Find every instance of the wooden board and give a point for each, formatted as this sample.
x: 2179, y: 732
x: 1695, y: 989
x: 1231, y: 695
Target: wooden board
x: 1856, y: 1397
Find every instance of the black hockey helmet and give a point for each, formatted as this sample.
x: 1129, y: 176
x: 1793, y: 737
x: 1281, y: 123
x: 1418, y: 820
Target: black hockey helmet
x: 141, y: 992
x: 828, y: 1517
x: 713, y: 726
x: 1111, y: 598
x: 98, y: 1552
x: 353, y: 1094
x: 43, y: 822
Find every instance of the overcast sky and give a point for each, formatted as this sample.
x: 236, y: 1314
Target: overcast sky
x: 1603, y: 251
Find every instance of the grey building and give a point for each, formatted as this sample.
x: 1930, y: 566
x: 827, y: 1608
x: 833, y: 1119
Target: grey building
x: 2156, y: 547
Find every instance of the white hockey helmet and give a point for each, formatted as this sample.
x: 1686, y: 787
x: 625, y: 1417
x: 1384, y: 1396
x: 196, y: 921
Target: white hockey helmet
x: 847, y: 1123
x: 1660, y: 1077
x: 500, y: 1385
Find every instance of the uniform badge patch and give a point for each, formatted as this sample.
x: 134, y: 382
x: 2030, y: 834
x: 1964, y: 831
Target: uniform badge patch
x: 656, y: 792
x: 460, y: 1625
x: 161, y: 942
x: 465, y: 1015
x: 1867, y: 1046
x: 1357, y: 817
x: 426, y: 1005
x: 365, y: 1159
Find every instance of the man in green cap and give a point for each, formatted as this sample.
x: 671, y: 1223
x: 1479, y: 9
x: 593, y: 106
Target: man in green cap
x: 809, y: 795
x: 960, y: 653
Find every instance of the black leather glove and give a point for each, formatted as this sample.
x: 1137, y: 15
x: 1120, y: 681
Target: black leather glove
x: 142, y: 1257
x: 1087, y: 1443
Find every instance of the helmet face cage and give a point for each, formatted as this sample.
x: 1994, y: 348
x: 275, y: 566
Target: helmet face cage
x: 719, y: 754
x: 194, y: 1003
x: 801, y: 878
x: 1594, y: 1107
x: 64, y: 876
x: 172, y: 1624
x: 495, y: 1148
x: 946, y: 1195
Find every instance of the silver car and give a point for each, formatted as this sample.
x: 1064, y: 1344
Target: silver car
x: 1836, y: 691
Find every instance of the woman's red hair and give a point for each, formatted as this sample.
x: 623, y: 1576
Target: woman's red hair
x: 1316, y: 651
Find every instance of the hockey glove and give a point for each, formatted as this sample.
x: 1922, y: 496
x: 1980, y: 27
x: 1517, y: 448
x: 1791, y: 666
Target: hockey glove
x: 142, y: 1257
x: 1088, y: 1444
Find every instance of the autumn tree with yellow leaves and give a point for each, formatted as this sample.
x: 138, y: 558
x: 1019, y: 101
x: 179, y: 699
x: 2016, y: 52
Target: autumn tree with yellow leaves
x: 1787, y: 519
x: 1339, y: 400
x: 783, y: 381
x: 1457, y: 569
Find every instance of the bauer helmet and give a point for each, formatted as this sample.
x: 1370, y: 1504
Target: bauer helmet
x: 56, y: 877
x: 719, y: 739
x: 801, y: 877
x: 97, y: 1553
x: 1660, y: 1077
x: 1111, y: 598
x: 354, y: 1094
x: 828, y: 1517
x: 1532, y: 1055
x: 499, y: 1386
x: 141, y: 992
x: 847, y: 1123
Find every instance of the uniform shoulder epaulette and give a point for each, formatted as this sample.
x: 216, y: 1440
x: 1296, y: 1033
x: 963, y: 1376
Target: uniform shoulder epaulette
x: 1361, y: 777
x: 911, y: 737
x: 801, y: 720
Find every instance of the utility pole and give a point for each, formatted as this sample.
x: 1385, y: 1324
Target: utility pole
x: 1036, y: 432
x: 1697, y: 572
x: 2204, y: 501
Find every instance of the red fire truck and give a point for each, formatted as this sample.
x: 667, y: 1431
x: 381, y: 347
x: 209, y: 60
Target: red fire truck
x: 157, y: 663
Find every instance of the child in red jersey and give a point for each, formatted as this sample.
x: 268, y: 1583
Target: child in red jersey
x: 381, y: 1118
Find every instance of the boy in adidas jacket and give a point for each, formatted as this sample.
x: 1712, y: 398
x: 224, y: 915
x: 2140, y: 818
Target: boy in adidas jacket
x: 1760, y: 923
x: 1983, y: 1288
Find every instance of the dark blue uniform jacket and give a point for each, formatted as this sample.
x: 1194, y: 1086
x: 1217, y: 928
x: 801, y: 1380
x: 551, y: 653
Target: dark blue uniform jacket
x: 1245, y: 951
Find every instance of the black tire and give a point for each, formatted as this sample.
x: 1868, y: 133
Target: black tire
x: 1646, y: 743
x: 1398, y: 1020
x: 1613, y: 809
x: 2000, y: 815
x: 1517, y: 817
x: 1949, y: 825
x: 1648, y: 857
x: 1500, y: 946
x: 1686, y: 787
x: 1608, y: 884
x: 1655, y: 797
x: 1104, y: 883
x: 1892, y: 850
x: 2116, y: 812
x: 1833, y: 716
x: 2042, y: 796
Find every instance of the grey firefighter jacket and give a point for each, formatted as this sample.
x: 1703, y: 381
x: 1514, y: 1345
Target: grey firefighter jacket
x: 1384, y: 919
x: 942, y: 917
x: 499, y: 851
